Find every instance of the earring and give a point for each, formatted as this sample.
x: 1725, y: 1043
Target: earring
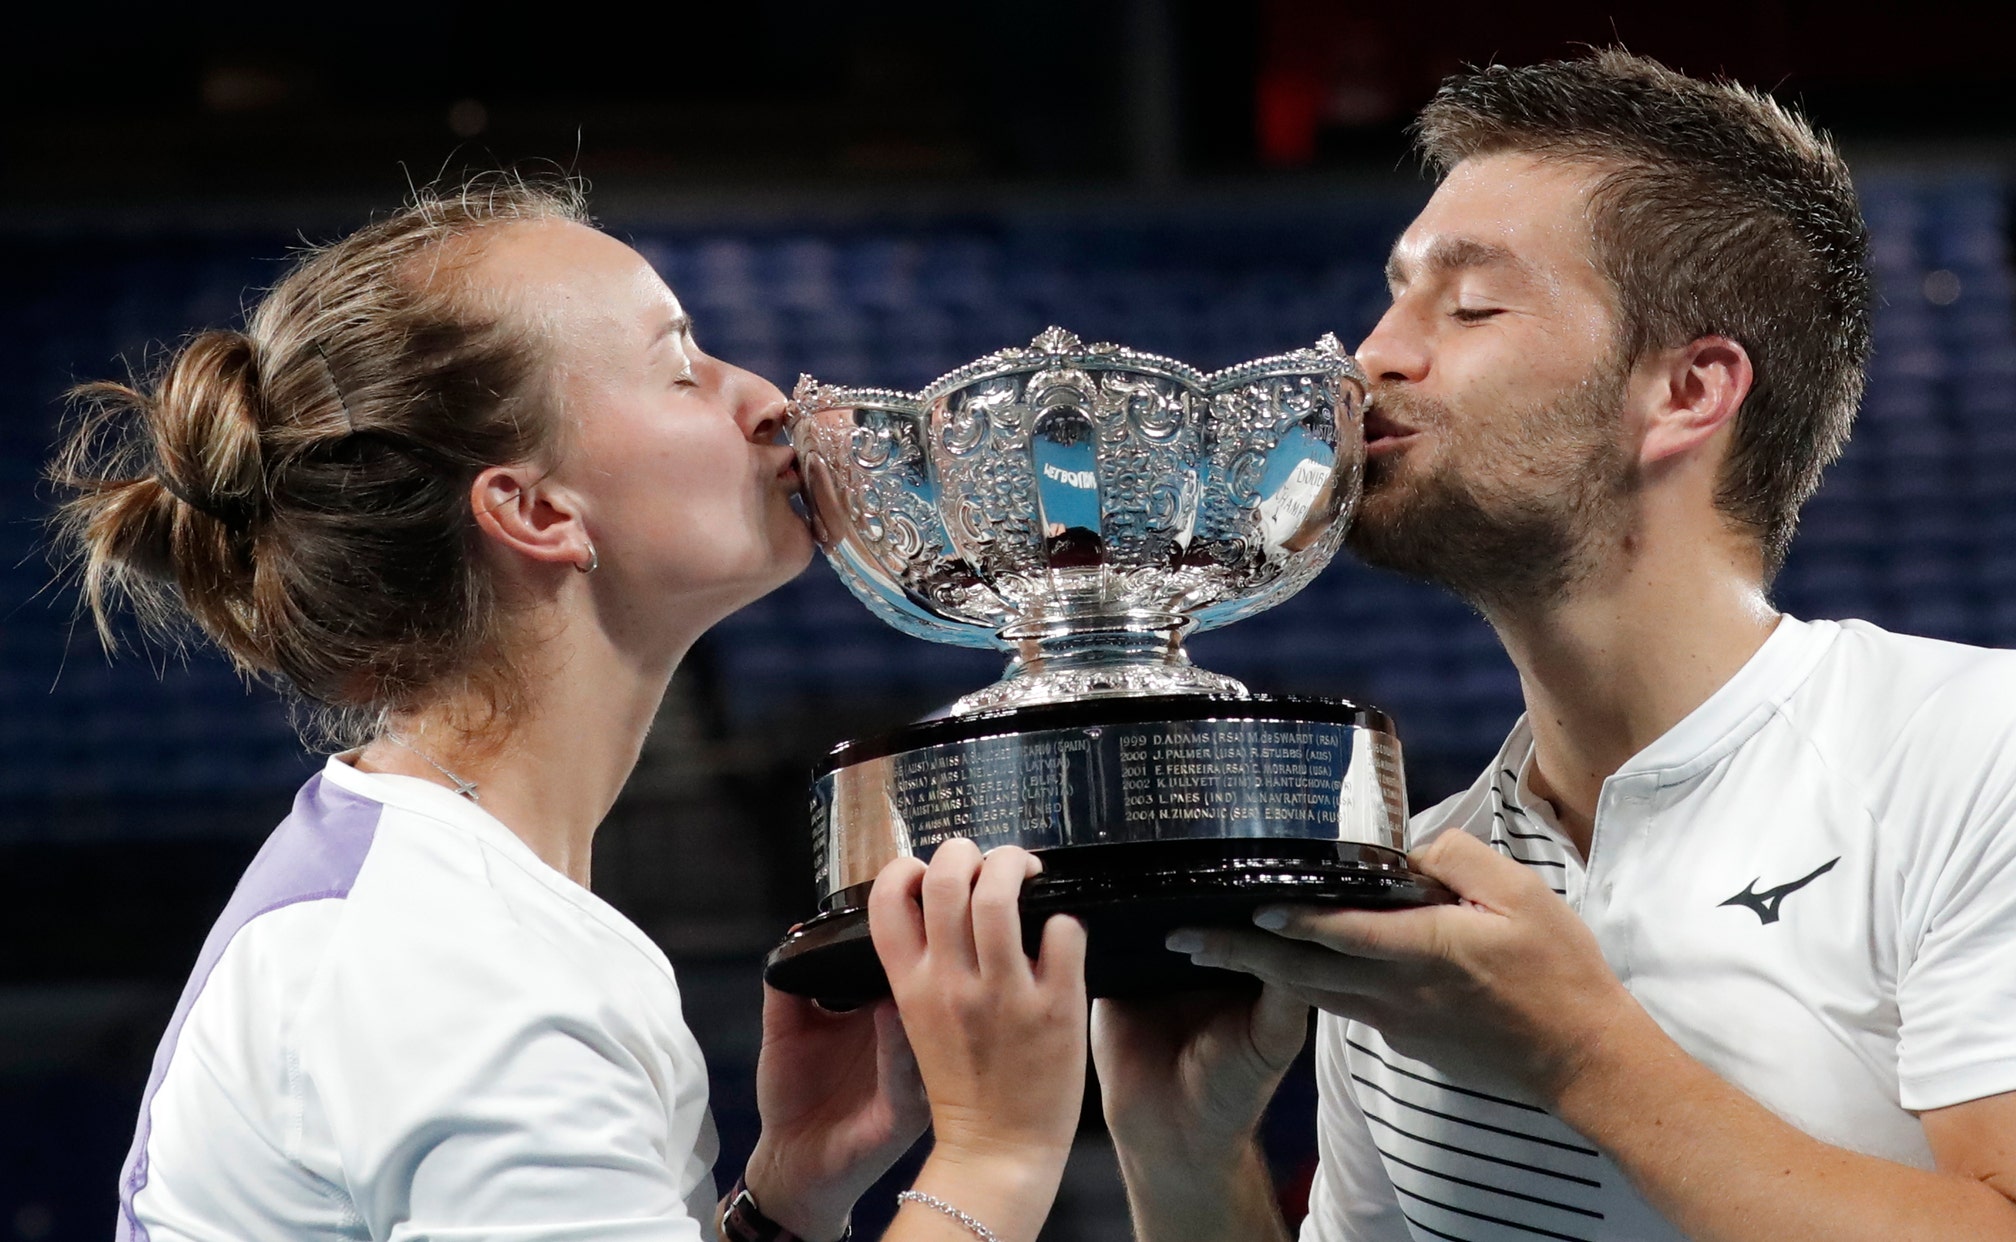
x: 594, y: 561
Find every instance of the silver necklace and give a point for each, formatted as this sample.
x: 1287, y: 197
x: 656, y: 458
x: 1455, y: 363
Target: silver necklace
x: 466, y: 788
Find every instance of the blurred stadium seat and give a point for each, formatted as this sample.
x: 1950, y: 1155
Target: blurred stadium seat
x: 1910, y: 529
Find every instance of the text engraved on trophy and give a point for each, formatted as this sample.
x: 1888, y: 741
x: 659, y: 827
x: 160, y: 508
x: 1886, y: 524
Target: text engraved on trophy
x: 1269, y: 778
x: 1127, y: 783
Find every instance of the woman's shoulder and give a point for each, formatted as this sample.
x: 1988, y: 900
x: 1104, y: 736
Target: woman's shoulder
x: 392, y: 982
x: 457, y: 953
x: 371, y: 904
x: 446, y: 891
x: 386, y: 921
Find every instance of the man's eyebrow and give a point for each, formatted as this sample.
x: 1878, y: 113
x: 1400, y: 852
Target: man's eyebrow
x: 1450, y: 254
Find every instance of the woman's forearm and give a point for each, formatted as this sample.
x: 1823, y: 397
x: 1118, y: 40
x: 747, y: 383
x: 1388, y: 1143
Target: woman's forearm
x: 1008, y: 1193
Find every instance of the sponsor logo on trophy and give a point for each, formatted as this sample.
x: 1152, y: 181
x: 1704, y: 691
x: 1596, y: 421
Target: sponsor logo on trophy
x: 1083, y: 508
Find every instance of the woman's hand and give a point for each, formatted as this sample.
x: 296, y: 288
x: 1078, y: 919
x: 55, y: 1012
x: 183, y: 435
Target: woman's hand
x: 840, y: 1101
x: 1000, y: 1039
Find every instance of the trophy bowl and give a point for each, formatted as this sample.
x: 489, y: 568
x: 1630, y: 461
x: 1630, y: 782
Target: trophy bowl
x: 1083, y: 508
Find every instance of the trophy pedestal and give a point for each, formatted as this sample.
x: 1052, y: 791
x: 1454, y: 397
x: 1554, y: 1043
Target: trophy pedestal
x: 1130, y: 897
x: 1150, y: 813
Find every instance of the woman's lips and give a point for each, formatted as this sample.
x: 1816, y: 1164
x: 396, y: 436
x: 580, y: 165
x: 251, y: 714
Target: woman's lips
x: 787, y: 472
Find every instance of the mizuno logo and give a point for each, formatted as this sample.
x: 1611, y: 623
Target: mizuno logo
x: 1765, y: 904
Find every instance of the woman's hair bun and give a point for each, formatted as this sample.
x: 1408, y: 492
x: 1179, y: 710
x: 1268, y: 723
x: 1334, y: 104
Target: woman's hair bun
x: 300, y: 489
x: 167, y: 482
x: 206, y: 428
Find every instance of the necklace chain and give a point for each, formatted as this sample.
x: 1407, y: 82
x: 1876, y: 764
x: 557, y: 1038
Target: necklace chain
x: 466, y: 788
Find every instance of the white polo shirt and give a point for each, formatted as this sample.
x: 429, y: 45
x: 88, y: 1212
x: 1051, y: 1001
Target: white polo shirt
x: 407, y: 1026
x: 1809, y: 882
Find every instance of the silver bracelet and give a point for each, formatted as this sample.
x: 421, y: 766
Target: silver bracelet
x: 979, y: 1230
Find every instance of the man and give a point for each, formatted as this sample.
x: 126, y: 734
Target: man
x: 1736, y: 952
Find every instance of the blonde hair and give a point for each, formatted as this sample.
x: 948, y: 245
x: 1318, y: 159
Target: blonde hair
x: 300, y: 489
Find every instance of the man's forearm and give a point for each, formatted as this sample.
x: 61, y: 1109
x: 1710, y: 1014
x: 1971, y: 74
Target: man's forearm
x: 1177, y: 1201
x: 1723, y: 1168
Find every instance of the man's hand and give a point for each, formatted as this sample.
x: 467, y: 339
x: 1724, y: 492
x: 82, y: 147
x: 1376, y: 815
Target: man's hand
x: 1184, y: 1080
x: 1507, y: 988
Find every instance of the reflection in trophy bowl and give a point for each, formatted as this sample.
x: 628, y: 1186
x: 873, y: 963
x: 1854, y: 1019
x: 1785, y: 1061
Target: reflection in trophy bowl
x: 1085, y: 507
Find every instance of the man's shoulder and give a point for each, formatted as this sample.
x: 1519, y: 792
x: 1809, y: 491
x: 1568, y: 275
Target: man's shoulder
x: 1920, y: 728
x: 1866, y: 648
x: 1899, y: 688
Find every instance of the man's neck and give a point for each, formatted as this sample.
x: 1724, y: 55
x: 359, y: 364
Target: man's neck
x: 1624, y: 657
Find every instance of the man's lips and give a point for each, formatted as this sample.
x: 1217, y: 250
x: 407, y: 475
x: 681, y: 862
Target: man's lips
x: 1384, y: 433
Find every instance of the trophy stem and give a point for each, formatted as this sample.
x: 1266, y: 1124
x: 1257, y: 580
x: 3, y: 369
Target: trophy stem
x: 1064, y: 659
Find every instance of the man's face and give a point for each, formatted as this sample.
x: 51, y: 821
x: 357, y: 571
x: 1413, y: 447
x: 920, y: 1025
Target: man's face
x: 1496, y: 458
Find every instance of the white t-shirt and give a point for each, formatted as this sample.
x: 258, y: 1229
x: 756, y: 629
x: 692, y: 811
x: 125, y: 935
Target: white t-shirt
x: 407, y: 1026
x: 1809, y: 882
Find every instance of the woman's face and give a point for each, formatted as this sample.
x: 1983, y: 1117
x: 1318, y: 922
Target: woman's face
x: 672, y: 453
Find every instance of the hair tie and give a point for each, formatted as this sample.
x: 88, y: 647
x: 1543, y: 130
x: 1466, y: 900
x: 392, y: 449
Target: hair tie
x: 233, y: 519
x: 330, y: 371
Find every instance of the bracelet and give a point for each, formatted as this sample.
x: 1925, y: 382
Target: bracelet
x: 979, y: 1230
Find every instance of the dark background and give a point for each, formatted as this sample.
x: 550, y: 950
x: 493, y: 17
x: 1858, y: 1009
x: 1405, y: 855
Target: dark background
x: 873, y: 192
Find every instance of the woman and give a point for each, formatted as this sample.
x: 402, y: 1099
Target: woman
x: 467, y: 489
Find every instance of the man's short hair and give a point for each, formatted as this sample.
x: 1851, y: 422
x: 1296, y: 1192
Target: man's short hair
x: 1719, y: 213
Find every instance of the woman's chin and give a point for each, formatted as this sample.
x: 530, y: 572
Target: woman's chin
x: 790, y: 555
x: 797, y: 549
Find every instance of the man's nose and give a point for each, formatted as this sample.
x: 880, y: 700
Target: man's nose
x: 1395, y: 351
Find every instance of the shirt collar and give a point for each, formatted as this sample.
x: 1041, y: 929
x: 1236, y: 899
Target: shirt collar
x: 1724, y: 721
x: 1728, y: 717
x: 437, y: 802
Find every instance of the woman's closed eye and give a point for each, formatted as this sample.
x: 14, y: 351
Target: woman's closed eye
x: 688, y: 350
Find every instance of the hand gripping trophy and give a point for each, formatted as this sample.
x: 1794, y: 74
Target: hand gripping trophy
x: 1083, y: 508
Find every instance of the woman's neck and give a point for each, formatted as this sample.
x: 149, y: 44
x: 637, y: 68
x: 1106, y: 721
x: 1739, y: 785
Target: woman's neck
x: 552, y: 770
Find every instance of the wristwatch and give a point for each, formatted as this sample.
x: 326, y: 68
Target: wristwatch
x: 742, y: 1221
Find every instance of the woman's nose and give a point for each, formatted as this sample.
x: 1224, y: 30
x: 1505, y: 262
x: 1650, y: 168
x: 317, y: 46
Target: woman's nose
x: 759, y: 406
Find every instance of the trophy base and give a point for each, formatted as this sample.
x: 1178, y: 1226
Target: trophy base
x: 1130, y: 897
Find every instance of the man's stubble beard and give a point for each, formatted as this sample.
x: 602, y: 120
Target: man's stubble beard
x: 1518, y: 537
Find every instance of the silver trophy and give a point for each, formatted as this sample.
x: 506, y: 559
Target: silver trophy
x: 1083, y: 508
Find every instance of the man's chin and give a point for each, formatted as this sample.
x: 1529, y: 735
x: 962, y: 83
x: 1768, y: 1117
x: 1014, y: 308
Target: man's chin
x: 1427, y: 532
x: 1374, y: 536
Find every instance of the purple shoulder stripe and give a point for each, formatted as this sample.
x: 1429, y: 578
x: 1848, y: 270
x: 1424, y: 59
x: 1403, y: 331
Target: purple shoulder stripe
x: 314, y: 854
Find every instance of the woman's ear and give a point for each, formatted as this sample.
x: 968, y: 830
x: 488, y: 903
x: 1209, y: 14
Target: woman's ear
x: 522, y: 511
x: 1693, y: 392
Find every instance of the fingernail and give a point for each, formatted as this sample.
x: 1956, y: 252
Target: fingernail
x: 1184, y: 942
x: 1273, y: 918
